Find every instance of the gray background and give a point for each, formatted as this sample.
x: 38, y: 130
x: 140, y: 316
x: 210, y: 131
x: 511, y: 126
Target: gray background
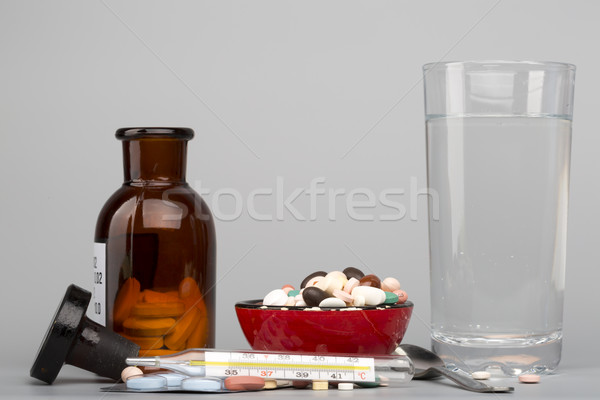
x: 297, y: 89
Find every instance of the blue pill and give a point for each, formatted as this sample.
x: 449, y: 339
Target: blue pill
x: 146, y: 382
x: 202, y: 384
x: 173, y: 379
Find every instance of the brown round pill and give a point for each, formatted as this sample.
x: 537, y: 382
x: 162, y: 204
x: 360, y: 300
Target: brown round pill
x: 370, y: 280
x: 352, y: 272
x: 238, y: 383
x: 300, y: 384
x: 313, y: 296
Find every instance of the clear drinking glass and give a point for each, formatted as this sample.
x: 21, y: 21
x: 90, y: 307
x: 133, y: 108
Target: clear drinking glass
x: 498, y: 150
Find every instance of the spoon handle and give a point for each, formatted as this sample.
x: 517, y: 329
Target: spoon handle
x: 469, y: 383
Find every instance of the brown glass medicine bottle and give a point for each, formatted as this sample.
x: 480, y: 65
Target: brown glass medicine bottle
x: 155, y: 249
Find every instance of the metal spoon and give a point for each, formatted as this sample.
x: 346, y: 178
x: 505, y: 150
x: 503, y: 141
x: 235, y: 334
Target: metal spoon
x: 428, y: 365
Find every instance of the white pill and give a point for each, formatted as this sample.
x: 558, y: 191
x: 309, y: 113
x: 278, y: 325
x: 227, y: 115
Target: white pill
x: 339, y: 275
x: 332, y: 302
x: 146, y: 382
x: 359, y: 300
x: 481, y: 375
x: 173, y: 379
x: 373, y: 296
x: 300, y: 303
x: 336, y: 284
x: 276, y: 297
x: 324, y: 283
x: 290, y: 302
x: 345, y: 386
x: 202, y: 384
x: 313, y: 281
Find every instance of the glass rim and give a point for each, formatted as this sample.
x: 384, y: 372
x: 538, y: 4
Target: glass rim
x: 499, y: 64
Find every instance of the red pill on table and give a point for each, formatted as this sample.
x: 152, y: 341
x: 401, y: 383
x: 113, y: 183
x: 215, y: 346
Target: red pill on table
x: 238, y: 383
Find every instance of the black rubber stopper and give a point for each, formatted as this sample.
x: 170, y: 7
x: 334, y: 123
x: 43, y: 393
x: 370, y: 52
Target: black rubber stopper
x: 74, y: 339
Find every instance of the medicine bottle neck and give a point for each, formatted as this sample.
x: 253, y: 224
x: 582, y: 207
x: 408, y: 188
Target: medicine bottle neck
x: 154, y: 160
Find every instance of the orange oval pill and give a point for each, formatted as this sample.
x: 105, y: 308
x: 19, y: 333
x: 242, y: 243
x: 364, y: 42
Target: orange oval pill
x: 135, y: 326
x: 158, y: 310
x: 182, y: 329
x: 199, y: 335
x: 238, y: 383
x: 151, y: 296
x: 529, y: 378
x: 154, y: 353
x: 148, y: 342
x: 125, y: 301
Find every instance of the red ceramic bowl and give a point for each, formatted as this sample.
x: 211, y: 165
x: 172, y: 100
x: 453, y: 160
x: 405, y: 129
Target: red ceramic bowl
x: 375, y: 330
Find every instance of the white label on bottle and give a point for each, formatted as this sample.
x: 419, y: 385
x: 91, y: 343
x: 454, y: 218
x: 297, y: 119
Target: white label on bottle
x: 97, y: 309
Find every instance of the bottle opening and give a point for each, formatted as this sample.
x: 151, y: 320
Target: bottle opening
x: 154, y: 133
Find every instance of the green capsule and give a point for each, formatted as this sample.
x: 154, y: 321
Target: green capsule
x: 390, y: 298
x: 293, y: 293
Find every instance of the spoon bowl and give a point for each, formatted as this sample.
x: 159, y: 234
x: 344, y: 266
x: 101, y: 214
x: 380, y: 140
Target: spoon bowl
x: 428, y: 365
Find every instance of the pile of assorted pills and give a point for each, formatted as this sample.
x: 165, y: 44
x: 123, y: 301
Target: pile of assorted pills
x: 136, y: 380
x: 338, y: 289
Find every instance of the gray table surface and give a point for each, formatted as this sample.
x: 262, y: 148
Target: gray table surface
x: 567, y: 383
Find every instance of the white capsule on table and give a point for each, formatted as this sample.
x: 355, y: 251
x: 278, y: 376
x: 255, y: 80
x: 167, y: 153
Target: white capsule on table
x: 332, y: 302
x: 276, y: 297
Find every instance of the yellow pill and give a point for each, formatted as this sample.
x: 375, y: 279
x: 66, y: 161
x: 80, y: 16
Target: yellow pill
x: 320, y: 385
x: 270, y: 384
